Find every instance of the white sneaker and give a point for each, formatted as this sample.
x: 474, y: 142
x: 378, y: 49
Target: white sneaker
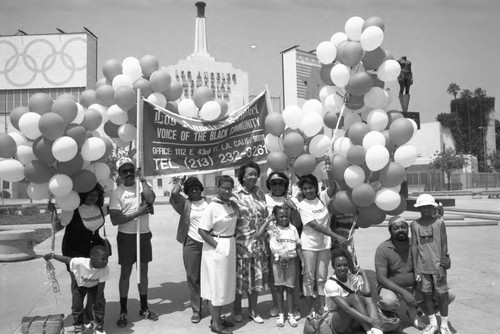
x: 430, y: 329
x: 445, y: 330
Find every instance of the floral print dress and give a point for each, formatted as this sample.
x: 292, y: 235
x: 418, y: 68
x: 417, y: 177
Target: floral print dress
x: 252, y: 258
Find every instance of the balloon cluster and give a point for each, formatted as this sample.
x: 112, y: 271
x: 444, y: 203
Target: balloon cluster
x: 56, y: 150
x: 369, y: 150
x: 121, y: 81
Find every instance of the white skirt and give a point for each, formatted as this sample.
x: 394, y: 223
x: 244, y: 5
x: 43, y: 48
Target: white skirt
x: 218, y: 272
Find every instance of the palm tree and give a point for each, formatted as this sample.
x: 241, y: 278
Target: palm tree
x: 453, y: 89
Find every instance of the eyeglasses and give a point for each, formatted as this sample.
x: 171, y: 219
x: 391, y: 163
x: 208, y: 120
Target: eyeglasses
x: 226, y: 189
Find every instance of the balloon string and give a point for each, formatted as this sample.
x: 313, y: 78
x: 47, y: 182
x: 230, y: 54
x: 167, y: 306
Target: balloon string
x: 330, y: 150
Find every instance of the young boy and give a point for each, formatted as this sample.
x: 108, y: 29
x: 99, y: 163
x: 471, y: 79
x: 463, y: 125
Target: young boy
x: 284, y: 242
x: 429, y: 246
x: 90, y: 277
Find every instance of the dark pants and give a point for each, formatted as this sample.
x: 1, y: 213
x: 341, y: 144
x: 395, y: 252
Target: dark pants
x: 191, y: 254
x: 97, y: 301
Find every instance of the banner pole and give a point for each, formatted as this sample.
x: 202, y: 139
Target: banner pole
x: 137, y: 185
x: 268, y: 100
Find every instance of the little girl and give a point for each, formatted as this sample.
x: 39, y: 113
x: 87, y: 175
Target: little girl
x: 284, y: 242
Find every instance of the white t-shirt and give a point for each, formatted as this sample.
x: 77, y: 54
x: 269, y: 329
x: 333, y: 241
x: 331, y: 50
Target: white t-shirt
x: 283, y: 240
x: 197, y: 210
x: 333, y: 289
x: 311, y: 210
x: 85, y: 275
x: 90, y: 214
x: 124, y: 199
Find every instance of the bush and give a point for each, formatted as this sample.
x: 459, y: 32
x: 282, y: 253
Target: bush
x: 29, y: 210
x: 8, y: 211
x: 5, y: 194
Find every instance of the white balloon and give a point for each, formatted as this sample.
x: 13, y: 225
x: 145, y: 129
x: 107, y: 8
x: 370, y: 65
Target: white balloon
x: 28, y: 124
x: 38, y: 191
x: 210, y: 111
x: 326, y: 52
x: 69, y: 202
x: 387, y: 199
x: 373, y: 138
x: 126, y: 132
x: 377, y: 119
x: 354, y: 176
x: 131, y: 67
x: 338, y: 38
x: 117, y: 115
x: 18, y: 138
x: 389, y: 70
x: 273, y: 143
x: 375, y: 98
x: 80, y: 114
x: 342, y: 145
x: 292, y: 116
x: 353, y: 28
x: 157, y: 98
x: 319, y: 145
x: 11, y: 170
x: 100, y: 170
x: 340, y: 75
x: 325, y: 91
x: 376, y: 157
x: 187, y: 108
x: 415, y: 127
x: 122, y: 80
x: 64, y: 148
x: 406, y: 155
x: 330, y: 105
x: 25, y: 153
x: 60, y: 185
x: 93, y: 149
x: 371, y: 38
x: 312, y: 123
x: 313, y: 105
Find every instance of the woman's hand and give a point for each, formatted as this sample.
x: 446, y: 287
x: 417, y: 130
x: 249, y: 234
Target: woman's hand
x: 52, y: 207
x: 290, y: 204
x: 342, y: 241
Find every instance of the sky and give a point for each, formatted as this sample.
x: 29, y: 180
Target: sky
x: 446, y: 40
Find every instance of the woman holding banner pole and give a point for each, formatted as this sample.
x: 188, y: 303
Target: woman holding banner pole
x: 252, y: 263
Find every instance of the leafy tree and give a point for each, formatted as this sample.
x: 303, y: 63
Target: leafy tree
x: 447, y: 162
x: 494, y: 159
x: 470, y: 113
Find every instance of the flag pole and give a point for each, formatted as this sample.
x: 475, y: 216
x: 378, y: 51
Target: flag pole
x: 137, y: 184
x: 268, y: 100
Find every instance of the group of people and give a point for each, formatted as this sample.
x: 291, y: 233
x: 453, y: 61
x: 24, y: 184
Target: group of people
x: 244, y: 242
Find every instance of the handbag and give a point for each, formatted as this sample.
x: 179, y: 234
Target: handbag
x: 318, y: 324
x: 105, y: 240
x: 49, y: 324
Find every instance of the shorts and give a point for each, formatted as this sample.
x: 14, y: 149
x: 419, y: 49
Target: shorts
x: 127, y: 253
x: 284, y: 275
x: 430, y: 283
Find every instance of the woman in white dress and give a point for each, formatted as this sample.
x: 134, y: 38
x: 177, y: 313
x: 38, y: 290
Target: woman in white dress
x: 218, y: 260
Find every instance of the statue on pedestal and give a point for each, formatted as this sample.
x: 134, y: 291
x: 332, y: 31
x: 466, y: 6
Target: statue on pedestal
x: 405, y: 79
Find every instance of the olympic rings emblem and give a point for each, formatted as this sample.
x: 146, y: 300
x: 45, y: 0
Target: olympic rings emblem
x: 53, y: 60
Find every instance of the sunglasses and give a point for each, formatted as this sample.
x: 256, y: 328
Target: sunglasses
x: 127, y: 171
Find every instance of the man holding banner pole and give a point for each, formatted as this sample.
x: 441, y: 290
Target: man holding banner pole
x: 132, y: 217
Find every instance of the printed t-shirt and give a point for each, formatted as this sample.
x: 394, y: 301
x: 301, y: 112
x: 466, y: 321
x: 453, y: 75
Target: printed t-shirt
x: 310, y: 210
x: 85, y: 275
x: 283, y: 240
x: 124, y: 199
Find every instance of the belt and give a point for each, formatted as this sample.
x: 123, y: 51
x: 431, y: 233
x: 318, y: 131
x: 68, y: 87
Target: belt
x: 221, y: 236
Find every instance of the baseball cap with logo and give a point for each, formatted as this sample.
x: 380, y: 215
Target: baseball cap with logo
x: 124, y: 161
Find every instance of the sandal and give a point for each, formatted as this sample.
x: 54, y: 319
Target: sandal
x: 280, y: 322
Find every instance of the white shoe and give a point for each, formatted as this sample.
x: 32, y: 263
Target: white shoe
x: 445, y: 330
x: 430, y: 329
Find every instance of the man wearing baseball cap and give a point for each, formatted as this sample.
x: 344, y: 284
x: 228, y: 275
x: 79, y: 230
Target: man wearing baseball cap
x: 124, y: 211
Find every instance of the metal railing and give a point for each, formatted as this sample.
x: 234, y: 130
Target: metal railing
x: 436, y: 181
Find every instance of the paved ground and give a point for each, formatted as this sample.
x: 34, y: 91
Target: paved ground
x: 474, y: 277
